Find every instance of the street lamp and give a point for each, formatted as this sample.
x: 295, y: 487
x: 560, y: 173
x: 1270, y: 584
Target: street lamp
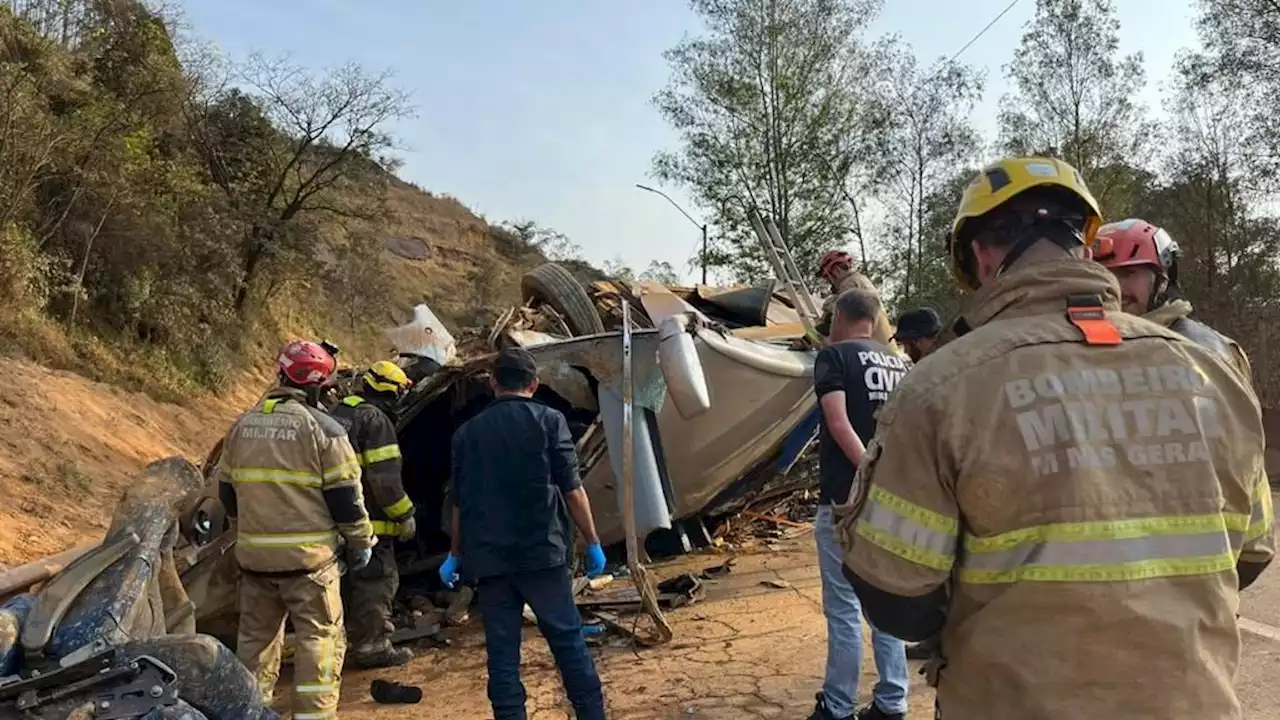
x: 701, y: 226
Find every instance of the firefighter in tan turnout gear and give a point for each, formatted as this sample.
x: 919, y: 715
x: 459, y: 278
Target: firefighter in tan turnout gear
x: 368, y: 418
x: 1144, y: 259
x: 291, y: 483
x: 1073, y: 496
x: 836, y: 267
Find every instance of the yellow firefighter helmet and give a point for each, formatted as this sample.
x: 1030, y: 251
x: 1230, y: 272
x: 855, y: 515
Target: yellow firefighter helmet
x: 999, y: 183
x: 386, y: 376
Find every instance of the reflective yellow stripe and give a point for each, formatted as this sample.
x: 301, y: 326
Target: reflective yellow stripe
x: 901, y: 507
x: 399, y: 508
x: 352, y: 400
x: 909, y: 531
x: 910, y: 553
x: 275, y: 475
x: 378, y: 454
x: 1105, y: 530
x: 269, y: 405
x: 1263, y: 515
x: 315, y: 688
x: 385, y: 527
x: 1105, y: 551
x: 288, y: 540
x: 347, y: 469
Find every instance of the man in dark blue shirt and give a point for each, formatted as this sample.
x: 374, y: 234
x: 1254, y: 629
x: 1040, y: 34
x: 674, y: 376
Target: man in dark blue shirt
x: 514, y: 472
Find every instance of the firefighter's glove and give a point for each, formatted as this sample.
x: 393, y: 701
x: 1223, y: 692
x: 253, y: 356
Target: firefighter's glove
x: 358, y: 560
x: 408, y: 529
x: 595, y: 559
x: 449, y: 571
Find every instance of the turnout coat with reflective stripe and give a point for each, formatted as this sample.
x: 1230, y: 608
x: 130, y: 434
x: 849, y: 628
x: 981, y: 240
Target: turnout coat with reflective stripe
x: 882, y: 332
x: 288, y: 472
x: 1176, y: 315
x: 1086, y: 505
x: 373, y: 436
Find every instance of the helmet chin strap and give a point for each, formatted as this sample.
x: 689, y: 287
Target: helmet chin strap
x: 1160, y: 292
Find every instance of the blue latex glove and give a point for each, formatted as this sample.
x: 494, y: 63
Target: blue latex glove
x: 595, y: 560
x: 449, y: 571
x: 358, y: 560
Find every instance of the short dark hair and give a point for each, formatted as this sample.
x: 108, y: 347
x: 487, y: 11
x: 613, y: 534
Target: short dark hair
x: 514, y: 369
x: 858, y: 304
x: 1006, y: 225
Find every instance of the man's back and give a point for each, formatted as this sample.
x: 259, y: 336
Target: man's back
x: 866, y: 371
x: 1093, y: 500
x: 511, y: 464
x: 280, y: 463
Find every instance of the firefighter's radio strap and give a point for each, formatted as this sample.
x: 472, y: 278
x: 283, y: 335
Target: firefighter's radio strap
x: 1086, y: 313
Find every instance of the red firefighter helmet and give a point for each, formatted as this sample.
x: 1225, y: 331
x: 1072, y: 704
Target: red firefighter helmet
x: 305, y: 363
x: 831, y: 259
x: 1132, y: 243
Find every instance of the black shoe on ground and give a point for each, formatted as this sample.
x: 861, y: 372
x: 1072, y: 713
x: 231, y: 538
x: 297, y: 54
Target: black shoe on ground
x: 873, y: 712
x: 393, y: 693
x: 821, y: 712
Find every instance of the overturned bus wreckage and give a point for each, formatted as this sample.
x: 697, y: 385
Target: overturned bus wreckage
x: 112, y: 635
x: 723, y: 395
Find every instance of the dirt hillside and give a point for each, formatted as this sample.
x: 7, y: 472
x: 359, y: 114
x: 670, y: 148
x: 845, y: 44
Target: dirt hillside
x: 68, y: 446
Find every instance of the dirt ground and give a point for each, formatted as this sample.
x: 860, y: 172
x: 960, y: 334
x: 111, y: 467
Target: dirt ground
x: 747, y: 651
x: 68, y: 446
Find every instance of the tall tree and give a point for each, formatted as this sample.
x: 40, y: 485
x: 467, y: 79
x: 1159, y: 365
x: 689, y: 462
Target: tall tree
x: 762, y: 101
x: 1075, y: 98
x: 927, y: 138
x: 1216, y: 211
x: 1242, y: 38
x: 281, y: 150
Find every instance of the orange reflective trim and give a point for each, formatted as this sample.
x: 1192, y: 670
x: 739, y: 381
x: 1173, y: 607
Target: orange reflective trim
x: 1093, y: 322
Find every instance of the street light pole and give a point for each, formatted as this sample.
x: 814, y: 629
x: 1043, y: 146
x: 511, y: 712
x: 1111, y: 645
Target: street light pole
x: 702, y: 256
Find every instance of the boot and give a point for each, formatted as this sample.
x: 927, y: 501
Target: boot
x: 822, y: 712
x: 379, y: 655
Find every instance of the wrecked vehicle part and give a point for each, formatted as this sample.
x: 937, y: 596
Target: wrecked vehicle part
x: 555, y: 286
x: 681, y: 367
x: 121, y: 691
x: 756, y: 394
x: 120, y: 603
x: 15, y: 580
x: 57, y: 597
x: 13, y: 614
x: 424, y: 336
x: 143, y: 679
x: 128, y: 599
x: 650, y: 493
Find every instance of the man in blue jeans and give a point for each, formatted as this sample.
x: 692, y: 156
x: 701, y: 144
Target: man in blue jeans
x: 514, y: 472
x: 852, y: 378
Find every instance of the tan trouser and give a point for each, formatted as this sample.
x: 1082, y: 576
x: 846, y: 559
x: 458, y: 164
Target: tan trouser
x: 314, y: 604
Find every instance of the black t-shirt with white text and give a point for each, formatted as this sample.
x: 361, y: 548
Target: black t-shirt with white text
x: 866, y: 372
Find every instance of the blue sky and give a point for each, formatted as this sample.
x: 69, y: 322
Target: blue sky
x: 541, y: 109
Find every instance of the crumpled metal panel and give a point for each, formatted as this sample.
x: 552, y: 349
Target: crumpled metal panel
x: 124, y: 600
